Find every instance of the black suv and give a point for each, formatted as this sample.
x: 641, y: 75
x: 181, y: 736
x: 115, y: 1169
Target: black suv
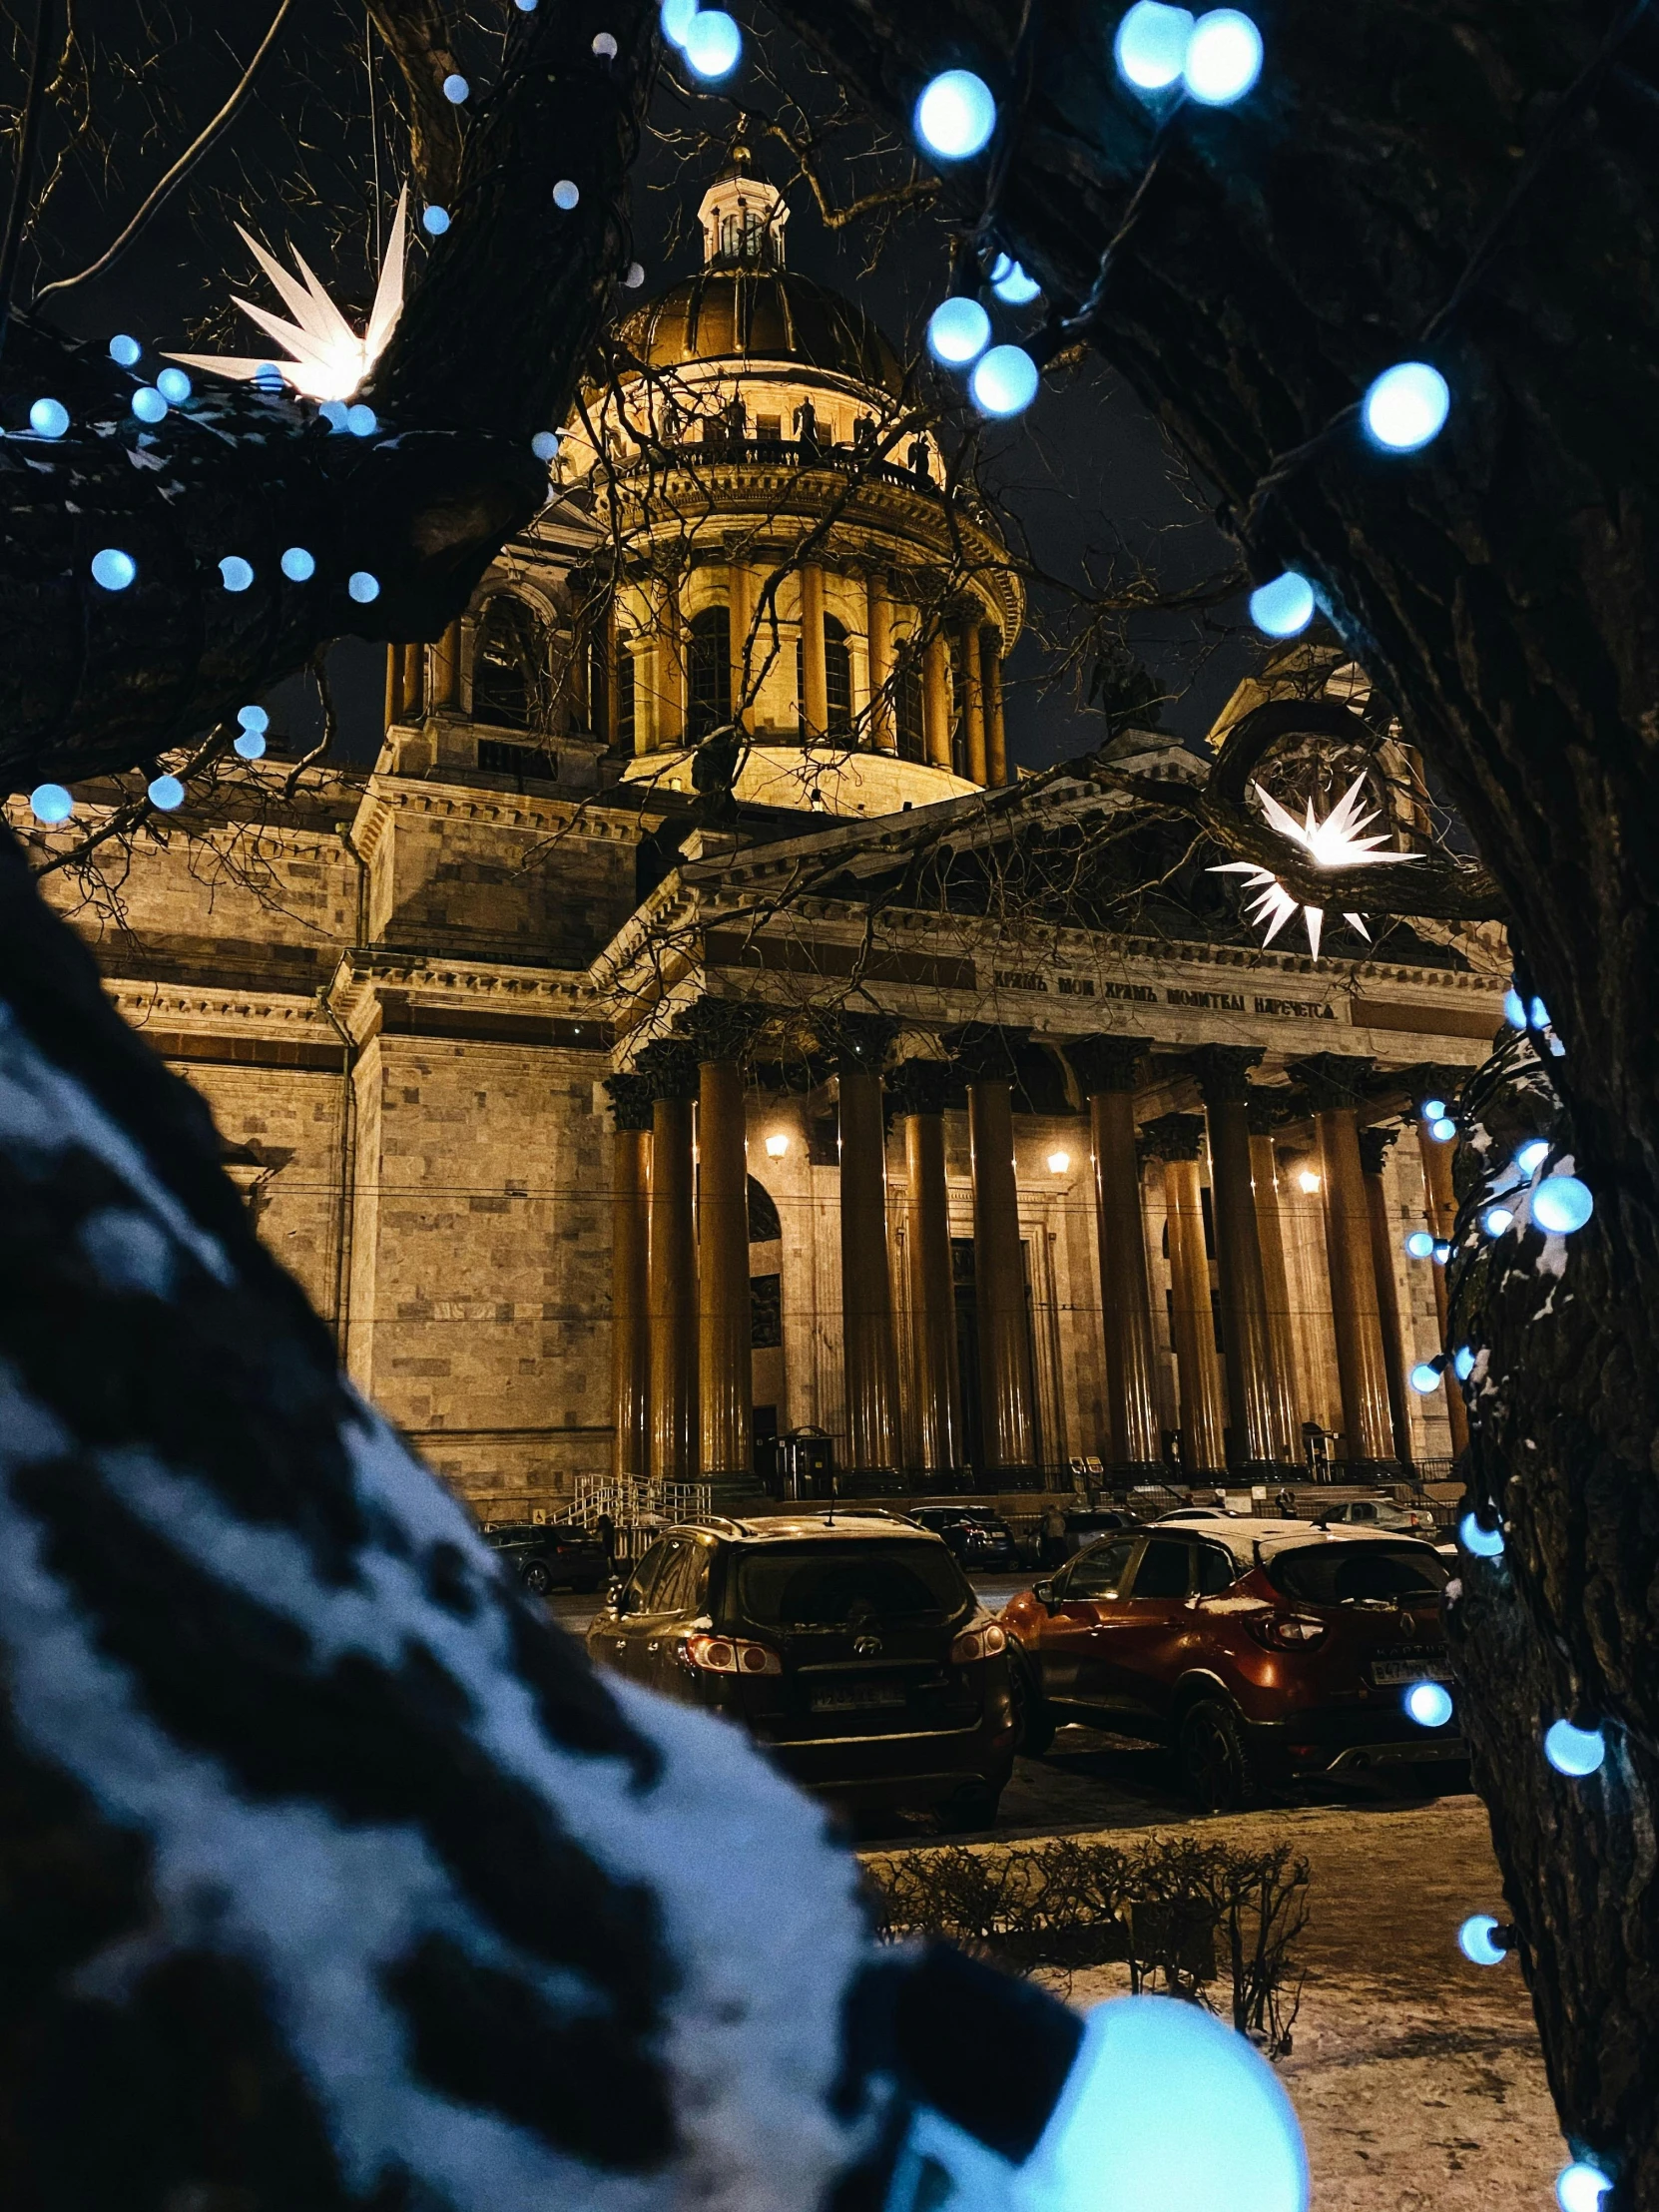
x: 551, y: 1555
x: 981, y: 1540
x: 850, y: 1644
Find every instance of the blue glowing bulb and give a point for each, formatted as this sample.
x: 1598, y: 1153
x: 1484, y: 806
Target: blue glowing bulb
x: 1580, y: 2187
x: 1475, y: 1940
x: 958, y: 331
x: 363, y: 587
x: 1444, y: 1130
x: 173, y: 386
x: 1429, y: 1704
x: 1406, y: 407
x: 268, y: 377
x: 149, y: 406
x: 1478, y: 1543
x: 1574, y: 1751
x: 166, y: 793
x: 956, y: 116
x: 456, y: 88
x: 1012, y: 286
x: 633, y: 275
x: 1532, y: 1154
x: 235, y: 573
x: 1434, y: 1109
x: 299, y: 566
x: 566, y: 194
x: 253, y: 718
x: 51, y: 803
x: 1426, y: 1376
x: 526, y: 7
x: 545, y: 445
x: 1495, y: 1219
x: 1561, y: 1205
x: 1223, y: 58
x: 713, y: 45
x: 1442, y: 1253
x: 1004, y: 382
x: 1420, y: 1245
x: 1537, y: 1014
x: 435, y: 222
x: 113, y: 569
x: 362, y: 420
x: 49, y: 418
x: 1284, y: 608
x: 335, y: 413
x: 1462, y: 1362
x: 1151, y: 45
x: 251, y: 745
x: 1514, y: 1010
x: 126, y: 353
x: 676, y: 20
x: 605, y: 47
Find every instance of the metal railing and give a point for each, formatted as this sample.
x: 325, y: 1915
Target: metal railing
x: 636, y: 1509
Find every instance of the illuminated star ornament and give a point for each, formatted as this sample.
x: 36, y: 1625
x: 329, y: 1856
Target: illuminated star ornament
x: 328, y: 359
x: 1334, y: 843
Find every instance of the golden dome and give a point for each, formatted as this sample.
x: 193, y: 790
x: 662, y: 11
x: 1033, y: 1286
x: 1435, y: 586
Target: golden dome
x: 741, y: 312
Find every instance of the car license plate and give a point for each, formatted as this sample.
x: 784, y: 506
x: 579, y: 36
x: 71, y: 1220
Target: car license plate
x: 860, y: 1697
x: 1401, y: 1667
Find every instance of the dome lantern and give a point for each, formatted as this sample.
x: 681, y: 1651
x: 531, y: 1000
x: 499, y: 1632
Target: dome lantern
x: 743, y: 216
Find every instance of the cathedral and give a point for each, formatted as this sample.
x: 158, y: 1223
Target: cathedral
x: 693, y: 1054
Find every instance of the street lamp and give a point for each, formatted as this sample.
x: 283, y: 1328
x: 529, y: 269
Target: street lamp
x: 1058, y: 1162
x: 776, y: 1145
x: 1307, y: 1181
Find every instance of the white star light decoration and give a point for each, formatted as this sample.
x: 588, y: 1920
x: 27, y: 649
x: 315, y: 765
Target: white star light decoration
x: 1334, y: 843
x: 330, y: 360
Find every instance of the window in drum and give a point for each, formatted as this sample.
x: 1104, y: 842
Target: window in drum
x: 907, y: 708
x: 837, y: 675
x: 766, y: 1312
x: 769, y: 429
x: 626, y: 694
x: 510, y: 671
x: 709, y: 670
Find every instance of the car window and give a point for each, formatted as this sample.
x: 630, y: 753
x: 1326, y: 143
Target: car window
x: 828, y: 1585
x: 636, y: 1596
x: 1215, y: 1570
x: 1099, y: 1572
x: 1339, y: 1573
x: 673, y: 1586
x: 1360, y: 1510
x: 1165, y: 1569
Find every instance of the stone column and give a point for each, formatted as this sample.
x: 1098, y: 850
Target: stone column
x: 997, y: 730
x: 670, y: 669
x: 394, y: 684
x: 740, y: 601
x: 1175, y: 1139
x: 1223, y: 1082
x: 1270, y: 1230
x: 1374, y: 1158
x: 671, y: 1320
x: 609, y: 649
x: 1334, y: 1084
x: 883, y: 726
x: 870, y: 1348
x: 1441, y: 1208
x: 446, y: 668
x: 973, y: 702
x: 632, y: 1113
x: 922, y: 1089
x: 815, y: 682
x: 1108, y: 1069
x: 1007, y: 1407
x: 935, y: 699
x: 725, y: 1323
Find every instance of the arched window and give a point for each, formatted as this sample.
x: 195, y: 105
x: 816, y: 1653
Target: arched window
x: 837, y: 677
x: 763, y: 1223
x: 510, y: 673
x: 911, y: 727
x: 625, y: 693
x: 709, y: 672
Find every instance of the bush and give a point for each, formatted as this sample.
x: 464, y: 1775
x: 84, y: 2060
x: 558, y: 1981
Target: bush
x: 1179, y: 1913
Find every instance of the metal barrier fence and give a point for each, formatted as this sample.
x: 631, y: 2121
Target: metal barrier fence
x: 635, y: 1510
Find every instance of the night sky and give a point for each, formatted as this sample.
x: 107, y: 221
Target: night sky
x: 1087, y: 472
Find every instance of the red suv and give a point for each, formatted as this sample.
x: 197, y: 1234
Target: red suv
x: 1260, y: 1650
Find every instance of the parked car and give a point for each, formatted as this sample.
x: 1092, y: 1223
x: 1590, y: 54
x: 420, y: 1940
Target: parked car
x: 1085, y: 1523
x: 851, y: 1645
x: 551, y: 1555
x: 1259, y: 1651
x: 1380, y: 1512
x: 980, y: 1540
x: 1193, y: 1513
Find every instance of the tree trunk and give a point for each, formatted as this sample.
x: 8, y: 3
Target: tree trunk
x: 1479, y: 187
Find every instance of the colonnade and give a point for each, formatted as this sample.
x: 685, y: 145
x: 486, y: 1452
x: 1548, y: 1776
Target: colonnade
x: 683, y: 1363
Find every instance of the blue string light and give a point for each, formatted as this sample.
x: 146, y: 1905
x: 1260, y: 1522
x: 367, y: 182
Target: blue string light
x: 456, y: 88
x: 1475, y: 1940
x: 567, y: 193
x: 605, y: 47
x: 268, y: 377
x: 1284, y: 608
x: 1515, y: 1008
x: 299, y: 566
x: 956, y: 116
x: 1434, y: 1109
x: 1223, y: 58
x: 51, y: 804
x: 435, y: 222
x: 545, y: 445
x: 712, y: 44
x: 1478, y: 1543
x: 1405, y: 408
x: 1574, y: 1751
x: 1537, y: 1015
x: 1561, y: 1205
x: 113, y: 569
x: 49, y: 418
x: 166, y: 793
x: 1532, y: 1154
x: 254, y: 717
x: 173, y: 386
x: 1496, y: 1219
x: 362, y: 420
x: 126, y: 353
x: 1012, y: 284
x: 1580, y: 2187
x: 1420, y: 1245
x: 1151, y: 45
x: 1429, y: 1704
x: 149, y: 406
x: 1426, y: 1376
x: 235, y: 573
x: 251, y: 745
x: 363, y: 587
x: 1004, y: 382
x: 958, y: 331
x: 1444, y: 1130
x: 676, y: 20
x: 1442, y: 1253
x: 1462, y: 1362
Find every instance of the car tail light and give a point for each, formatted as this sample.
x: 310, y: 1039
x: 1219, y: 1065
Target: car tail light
x: 978, y: 1643
x: 1285, y: 1631
x: 729, y: 1655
